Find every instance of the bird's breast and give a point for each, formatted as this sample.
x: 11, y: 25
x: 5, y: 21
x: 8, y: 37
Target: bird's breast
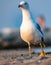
x: 27, y: 31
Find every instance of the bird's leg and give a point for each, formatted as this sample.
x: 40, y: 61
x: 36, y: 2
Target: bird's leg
x: 42, y: 53
x: 29, y: 49
x: 44, y: 45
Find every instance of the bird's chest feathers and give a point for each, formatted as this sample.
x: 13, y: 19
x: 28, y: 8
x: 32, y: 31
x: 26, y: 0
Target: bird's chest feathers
x: 26, y: 30
x: 27, y: 24
x: 27, y: 27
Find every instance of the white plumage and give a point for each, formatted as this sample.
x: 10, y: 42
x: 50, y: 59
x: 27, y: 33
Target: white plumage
x: 29, y: 30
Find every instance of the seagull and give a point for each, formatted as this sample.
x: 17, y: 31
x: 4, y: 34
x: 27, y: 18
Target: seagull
x: 30, y: 31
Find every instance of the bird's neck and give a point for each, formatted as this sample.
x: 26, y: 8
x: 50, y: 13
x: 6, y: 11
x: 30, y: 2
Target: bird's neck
x: 26, y: 15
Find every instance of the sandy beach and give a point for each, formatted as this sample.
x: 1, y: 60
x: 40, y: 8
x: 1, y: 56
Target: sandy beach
x: 21, y: 57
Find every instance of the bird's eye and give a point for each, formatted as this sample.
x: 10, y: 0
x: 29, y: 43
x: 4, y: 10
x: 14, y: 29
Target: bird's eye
x: 25, y: 3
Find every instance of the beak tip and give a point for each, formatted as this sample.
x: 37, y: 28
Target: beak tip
x: 19, y: 6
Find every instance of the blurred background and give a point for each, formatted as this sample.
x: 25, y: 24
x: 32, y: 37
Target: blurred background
x: 11, y: 17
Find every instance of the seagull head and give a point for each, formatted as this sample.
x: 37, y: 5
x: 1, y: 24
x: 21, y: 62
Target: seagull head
x: 23, y: 5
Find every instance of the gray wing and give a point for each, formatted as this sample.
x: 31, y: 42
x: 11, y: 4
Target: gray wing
x: 38, y: 27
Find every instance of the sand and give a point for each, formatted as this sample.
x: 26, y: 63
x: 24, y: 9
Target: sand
x: 21, y: 57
